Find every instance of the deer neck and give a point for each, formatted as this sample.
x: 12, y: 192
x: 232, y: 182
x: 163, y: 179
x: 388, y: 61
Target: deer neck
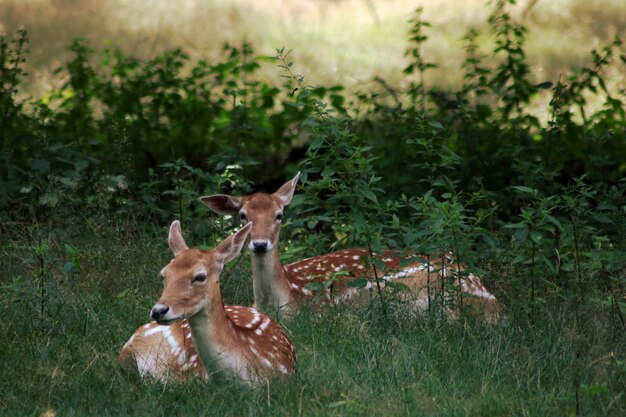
x: 271, y: 287
x: 213, y: 338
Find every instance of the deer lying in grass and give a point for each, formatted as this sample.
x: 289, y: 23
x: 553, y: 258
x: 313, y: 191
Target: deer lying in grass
x: 284, y: 287
x: 237, y: 342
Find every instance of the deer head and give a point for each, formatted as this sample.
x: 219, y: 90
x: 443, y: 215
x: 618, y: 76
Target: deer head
x: 265, y: 211
x: 191, y: 279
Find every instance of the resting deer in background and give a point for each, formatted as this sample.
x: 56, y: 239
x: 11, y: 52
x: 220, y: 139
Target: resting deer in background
x: 237, y: 342
x: 284, y: 287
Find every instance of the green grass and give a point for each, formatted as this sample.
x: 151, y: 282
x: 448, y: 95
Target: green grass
x: 352, y: 362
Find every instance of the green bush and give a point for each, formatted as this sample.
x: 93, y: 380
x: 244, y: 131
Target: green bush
x: 426, y: 170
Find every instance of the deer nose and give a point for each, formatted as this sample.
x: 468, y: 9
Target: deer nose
x: 259, y: 246
x: 158, y: 312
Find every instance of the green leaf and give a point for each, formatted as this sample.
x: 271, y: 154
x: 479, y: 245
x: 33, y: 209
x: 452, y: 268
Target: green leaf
x: 82, y: 164
x: 310, y: 122
x: 40, y: 165
x: 397, y: 286
x: 546, y: 85
x: 435, y: 124
x: 316, y: 144
x: 315, y: 286
x: 520, y: 225
x: 525, y: 189
x: 600, y: 218
x: 521, y: 235
x: 70, y: 267
x: 554, y: 221
x: 518, y: 259
x: 328, y: 172
x: 536, y: 236
x: 357, y: 283
x: 369, y: 195
x: 607, y: 207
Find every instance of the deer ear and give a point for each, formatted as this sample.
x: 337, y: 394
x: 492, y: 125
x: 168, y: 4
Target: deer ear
x: 230, y: 247
x: 175, y: 239
x: 222, y: 203
x: 285, y: 192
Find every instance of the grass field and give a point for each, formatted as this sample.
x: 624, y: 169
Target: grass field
x: 86, y: 190
x: 347, y: 42
x: 352, y: 362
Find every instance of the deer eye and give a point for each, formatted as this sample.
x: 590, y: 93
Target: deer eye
x: 243, y: 217
x: 199, y: 278
x: 279, y: 216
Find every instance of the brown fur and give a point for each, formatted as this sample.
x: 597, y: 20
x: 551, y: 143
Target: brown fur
x: 239, y: 342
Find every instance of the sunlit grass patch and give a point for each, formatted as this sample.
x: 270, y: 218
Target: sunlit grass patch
x: 345, y: 42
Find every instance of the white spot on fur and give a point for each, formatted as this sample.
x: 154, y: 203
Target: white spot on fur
x: 256, y: 319
x: 405, y: 272
x: 167, y: 335
x: 483, y: 294
x: 265, y: 323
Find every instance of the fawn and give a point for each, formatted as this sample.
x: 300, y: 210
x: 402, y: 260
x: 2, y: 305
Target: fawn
x: 237, y: 342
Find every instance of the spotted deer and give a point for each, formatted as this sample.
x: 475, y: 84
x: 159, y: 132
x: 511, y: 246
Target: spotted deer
x: 163, y: 353
x: 284, y: 287
x: 237, y: 342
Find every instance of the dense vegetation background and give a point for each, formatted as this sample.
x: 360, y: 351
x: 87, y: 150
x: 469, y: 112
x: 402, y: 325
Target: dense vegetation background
x: 522, y: 178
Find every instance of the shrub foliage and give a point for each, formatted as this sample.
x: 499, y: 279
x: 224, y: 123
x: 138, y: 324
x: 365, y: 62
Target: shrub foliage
x: 473, y: 171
